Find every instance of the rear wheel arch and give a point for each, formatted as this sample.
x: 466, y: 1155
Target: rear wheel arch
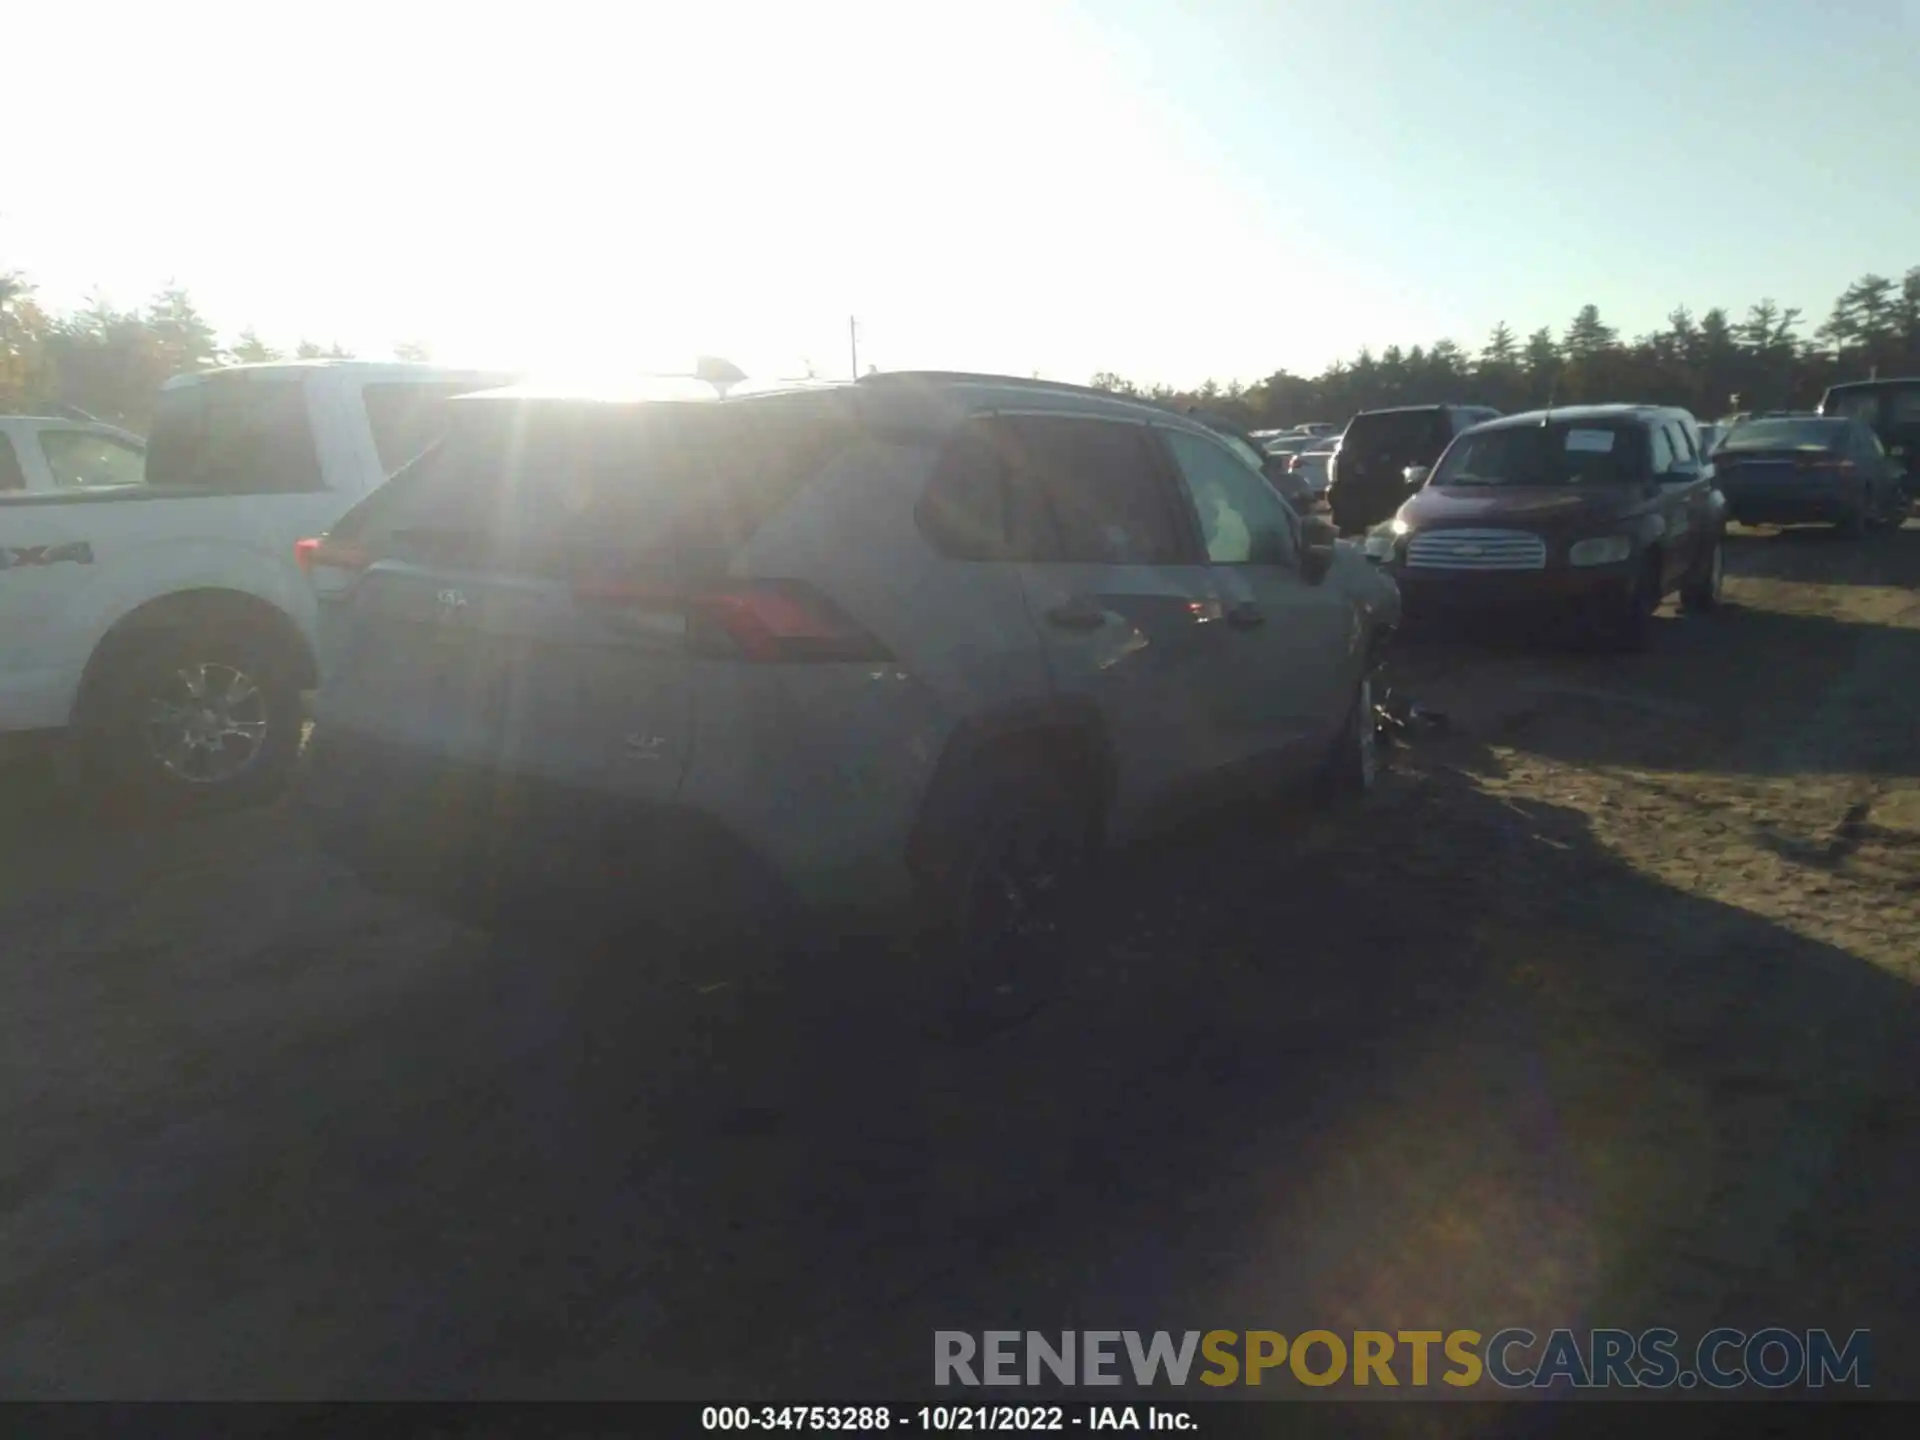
x: 1069, y: 741
x: 190, y: 611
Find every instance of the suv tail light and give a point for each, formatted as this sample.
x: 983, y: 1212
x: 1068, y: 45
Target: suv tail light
x: 761, y: 622
x: 321, y: 554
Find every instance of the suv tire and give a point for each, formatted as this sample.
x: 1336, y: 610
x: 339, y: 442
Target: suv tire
x: 1701, y: 592
x: 1011, y: 838
x: 1353, y: 764
x: 1625, y: 627
x: 195, y: 718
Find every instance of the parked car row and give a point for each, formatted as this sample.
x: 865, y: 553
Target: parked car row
x: 920, y: 641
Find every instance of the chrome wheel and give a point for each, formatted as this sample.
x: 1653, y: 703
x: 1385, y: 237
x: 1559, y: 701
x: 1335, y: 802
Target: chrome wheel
x: 208, y: 724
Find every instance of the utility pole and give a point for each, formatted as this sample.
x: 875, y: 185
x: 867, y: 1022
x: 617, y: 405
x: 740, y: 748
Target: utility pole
x: 853, y: 343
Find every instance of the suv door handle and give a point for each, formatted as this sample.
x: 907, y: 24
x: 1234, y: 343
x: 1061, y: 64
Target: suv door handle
x: 1077, y: 614
x: 1246, y: 617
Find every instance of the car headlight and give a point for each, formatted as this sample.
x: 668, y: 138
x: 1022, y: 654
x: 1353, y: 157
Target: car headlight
x: 1381, y: 539
x: 1601, y: 550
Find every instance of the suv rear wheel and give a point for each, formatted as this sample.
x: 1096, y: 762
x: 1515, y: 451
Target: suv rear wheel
x: 1013, y: 837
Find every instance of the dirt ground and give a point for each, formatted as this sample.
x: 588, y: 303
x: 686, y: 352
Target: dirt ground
x: 1602, y: 1012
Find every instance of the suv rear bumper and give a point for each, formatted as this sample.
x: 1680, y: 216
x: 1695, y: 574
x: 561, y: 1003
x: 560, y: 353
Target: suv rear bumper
x: 473, y: 840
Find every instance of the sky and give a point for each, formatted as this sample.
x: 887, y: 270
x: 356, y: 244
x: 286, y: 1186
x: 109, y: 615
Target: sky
x: 1173, y: 191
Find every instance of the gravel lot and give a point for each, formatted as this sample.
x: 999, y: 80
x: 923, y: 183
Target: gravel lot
x: 1602, y: 1012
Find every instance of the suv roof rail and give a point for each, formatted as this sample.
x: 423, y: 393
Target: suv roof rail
x: 1026, y: 382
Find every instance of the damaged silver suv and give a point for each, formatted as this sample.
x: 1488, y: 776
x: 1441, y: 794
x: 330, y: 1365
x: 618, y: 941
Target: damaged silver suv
x: 920, y: 642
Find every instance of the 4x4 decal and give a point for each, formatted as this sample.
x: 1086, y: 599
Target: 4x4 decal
x: 20, y: 557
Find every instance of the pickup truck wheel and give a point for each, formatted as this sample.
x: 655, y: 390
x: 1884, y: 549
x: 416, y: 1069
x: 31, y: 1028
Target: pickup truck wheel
x: 197, y: 719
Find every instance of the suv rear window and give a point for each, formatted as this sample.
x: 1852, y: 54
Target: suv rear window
x: 537, y: 479
x: 1562, y: 453
x: 1398, y: 430
x: 234, y: 436
x: 1054, y: 488
x: 1784, y: 435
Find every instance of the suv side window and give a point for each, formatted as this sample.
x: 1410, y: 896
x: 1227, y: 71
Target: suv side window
x: 1088, y: 491
x: 1241, y: 520
x: 1662, y: 447
x: 966, y: 510
x: 1684, y: 454
x: 12, y: 477
x: 83, y: 460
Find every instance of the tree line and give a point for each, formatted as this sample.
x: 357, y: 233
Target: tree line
x: 109, y: 362
x: 1711, y: 363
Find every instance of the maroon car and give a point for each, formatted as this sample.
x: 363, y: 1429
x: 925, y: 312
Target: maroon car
x: 1596, y: 513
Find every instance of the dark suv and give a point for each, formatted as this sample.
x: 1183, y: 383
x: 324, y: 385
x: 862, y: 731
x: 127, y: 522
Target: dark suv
x: 1889, y: 408
x: 1366, y: 477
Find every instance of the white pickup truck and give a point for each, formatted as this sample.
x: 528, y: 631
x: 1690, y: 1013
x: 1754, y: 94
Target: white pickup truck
x: 151, y: 605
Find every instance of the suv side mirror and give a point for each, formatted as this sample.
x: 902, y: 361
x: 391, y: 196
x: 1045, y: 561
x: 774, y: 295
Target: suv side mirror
x: 1416, y: 475
x: 1318, y: 539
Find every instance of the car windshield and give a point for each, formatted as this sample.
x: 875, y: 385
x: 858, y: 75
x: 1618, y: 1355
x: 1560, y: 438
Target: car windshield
x: 1784, y: 435
x: 1559, y: 453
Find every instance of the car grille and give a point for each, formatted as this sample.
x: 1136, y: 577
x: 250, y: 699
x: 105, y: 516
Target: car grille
x: 1477, y: 550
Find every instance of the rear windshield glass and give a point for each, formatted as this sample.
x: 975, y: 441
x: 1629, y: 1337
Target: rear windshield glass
x: 1396, y: 429
x: 1852, y: 404
x: 1784, y: 435
x: 699, y: 480
x: 1562, y: 453
x: 239, y: 435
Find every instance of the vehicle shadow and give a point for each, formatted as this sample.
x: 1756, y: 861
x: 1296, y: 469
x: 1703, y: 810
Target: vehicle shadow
x: 1821, y: 555
x: 1451, y: 1063
x: 1744, y: 691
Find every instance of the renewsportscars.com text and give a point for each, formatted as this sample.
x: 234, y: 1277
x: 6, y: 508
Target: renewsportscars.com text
x: 1656, y: 1359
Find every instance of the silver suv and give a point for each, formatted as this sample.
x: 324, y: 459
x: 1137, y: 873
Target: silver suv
x: 917, y: 638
